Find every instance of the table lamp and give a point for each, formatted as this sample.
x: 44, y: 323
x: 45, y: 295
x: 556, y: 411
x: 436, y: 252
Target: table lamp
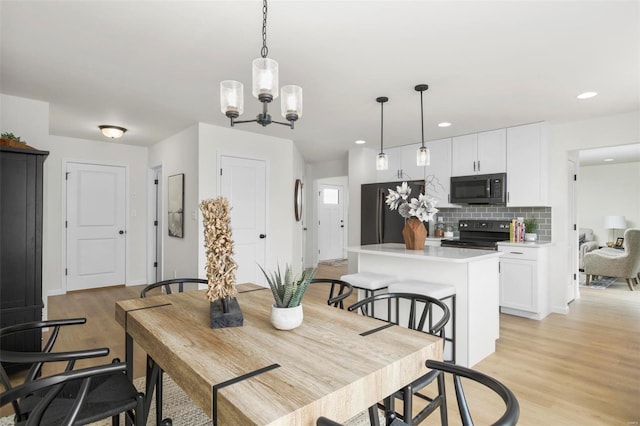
x: 613, y: 223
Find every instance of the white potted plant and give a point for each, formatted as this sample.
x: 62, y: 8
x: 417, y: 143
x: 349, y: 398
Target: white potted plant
x: 286, y: 312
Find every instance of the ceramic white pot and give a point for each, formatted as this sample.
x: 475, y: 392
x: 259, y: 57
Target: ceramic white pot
x: 530, y: 237
x: 286, y: 318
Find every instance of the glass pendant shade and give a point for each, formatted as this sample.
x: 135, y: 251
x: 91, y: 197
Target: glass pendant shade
x: 382, y: 162
x: 291, y: 102
x: 231, y: 97
x: 265, y: 77
x: 423, y: 156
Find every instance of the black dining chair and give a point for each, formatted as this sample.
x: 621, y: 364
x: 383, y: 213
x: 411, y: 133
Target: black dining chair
x: 154, y: 371
x: 338, y: 292
x: 512, y: 409
x: 72, y: 396
x: 173, y: 285
x: 420, y: 315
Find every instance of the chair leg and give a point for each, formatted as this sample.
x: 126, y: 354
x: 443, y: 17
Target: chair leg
x: 588, y: 279
x: 407, y: 405
x: 630, y: 282
x: 444, y: 420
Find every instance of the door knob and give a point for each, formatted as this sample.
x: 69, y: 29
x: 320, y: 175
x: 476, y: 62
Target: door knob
x: 121, y: 232
x: 263, y: 236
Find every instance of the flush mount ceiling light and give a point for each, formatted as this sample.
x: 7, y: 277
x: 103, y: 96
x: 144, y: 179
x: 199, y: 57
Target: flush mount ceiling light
x: 586, y: 95
x: 360, y: 142
x: 423, y: 157
x: 113, y: 132
x: 444, y: 124
x: 265, y: 89
x: 382, y: 162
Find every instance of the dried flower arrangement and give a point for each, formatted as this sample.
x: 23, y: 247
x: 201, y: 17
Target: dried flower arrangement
x: 221, y: 268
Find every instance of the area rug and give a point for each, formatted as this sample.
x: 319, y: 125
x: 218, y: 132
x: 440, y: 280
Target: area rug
x: 599, y: 283
x: 179, y: 407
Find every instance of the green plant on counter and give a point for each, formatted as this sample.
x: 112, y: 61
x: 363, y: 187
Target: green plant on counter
x: 530, y: 225
x: 11, y: 136
x: 287, y: 290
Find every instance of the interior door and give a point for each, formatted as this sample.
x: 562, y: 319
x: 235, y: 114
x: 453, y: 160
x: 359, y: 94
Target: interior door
x: 96, y: 220
x: 330, y: 222
x: 573, y: 284
x: 243, y: 183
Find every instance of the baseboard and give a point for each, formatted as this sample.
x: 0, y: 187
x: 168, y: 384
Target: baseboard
x: 560, y: 310
x: 135, y: 282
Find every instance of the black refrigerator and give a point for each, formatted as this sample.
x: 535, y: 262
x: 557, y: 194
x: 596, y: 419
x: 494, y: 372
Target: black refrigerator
x: 378, y: 223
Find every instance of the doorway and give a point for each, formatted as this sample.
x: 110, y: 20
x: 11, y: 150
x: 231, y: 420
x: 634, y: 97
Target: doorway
x: 331, y: 222
x: 243, y: 181
x: 95, y: 225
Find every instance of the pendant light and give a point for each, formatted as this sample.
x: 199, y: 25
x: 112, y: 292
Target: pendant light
x: 265, y: 89
x: 423, y: 157
x: 382, y: 162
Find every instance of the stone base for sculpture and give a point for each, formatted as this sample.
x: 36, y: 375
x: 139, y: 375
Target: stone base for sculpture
x: 231, y: 318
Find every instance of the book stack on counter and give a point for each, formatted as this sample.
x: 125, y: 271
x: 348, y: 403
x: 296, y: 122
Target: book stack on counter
x: 517, y: 230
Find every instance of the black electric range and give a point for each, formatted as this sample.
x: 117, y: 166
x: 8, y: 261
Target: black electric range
x: 481, y: 234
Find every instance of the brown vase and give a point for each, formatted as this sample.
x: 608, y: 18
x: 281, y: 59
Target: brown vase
x: 414, y: 234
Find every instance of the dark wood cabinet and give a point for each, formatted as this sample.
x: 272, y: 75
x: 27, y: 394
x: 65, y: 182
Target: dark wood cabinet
x: 21, y: 190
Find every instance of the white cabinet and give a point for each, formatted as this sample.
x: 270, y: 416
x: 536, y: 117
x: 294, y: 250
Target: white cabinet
x: 528, y: 161
x: 438, y: 173
x: 524, y: 281
x: 402, y: 165
x: 479, y: 153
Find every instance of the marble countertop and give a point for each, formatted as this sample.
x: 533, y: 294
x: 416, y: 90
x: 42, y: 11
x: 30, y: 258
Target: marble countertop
x: 439, y: 254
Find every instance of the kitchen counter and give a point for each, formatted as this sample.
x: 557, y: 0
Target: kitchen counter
x: 474, y: 274
x: 526, y: 244
x: 436, y: 254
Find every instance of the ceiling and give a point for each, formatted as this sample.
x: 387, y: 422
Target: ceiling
x: 155, y: 67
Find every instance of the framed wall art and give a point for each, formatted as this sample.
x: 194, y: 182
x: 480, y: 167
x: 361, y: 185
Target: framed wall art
x: 176, y: 205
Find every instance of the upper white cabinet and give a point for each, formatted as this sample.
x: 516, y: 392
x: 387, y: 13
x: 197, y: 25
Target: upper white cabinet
x: 528, y: 160
x: 438, y: 173
x: 402, y: 165
x: 479, y: 153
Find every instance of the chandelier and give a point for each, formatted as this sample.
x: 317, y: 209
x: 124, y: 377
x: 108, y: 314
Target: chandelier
x: 265, y: 89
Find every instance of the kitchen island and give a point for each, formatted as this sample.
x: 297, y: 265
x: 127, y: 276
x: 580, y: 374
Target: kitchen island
x: 475, y: 275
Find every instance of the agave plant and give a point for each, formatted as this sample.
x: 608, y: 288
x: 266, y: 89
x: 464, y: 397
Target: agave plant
x: 287, y: 290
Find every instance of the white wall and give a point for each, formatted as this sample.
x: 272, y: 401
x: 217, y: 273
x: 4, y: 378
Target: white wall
x: 605, y: 190
x: 614, y: 130
x: 278, y: 154
x: 179, y: 154
x: 29, y: 119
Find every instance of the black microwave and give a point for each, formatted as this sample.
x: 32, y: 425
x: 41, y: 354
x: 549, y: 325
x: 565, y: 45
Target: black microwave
x: 479, y: 189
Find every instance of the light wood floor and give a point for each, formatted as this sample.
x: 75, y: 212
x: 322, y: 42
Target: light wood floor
x: 576, y: 369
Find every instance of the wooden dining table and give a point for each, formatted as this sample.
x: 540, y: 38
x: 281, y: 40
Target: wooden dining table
x: 336, y: 364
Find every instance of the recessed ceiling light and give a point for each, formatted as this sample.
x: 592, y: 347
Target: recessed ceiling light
x: 608, y: 159
x: 587, y: 95
x: 444, y: 124
x: 360, y: 142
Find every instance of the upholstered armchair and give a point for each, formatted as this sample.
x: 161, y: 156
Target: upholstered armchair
x: 587, y: 243
x: 616, y: 263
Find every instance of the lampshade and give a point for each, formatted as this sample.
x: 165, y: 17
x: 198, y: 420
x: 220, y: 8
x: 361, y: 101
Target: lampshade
x: 265, y: 77
x: 231, y: 98
x: 423, y: 156
x: 113, y: 132
x: 291, y: 102
x: 382, y: 162
x: 614, y: 222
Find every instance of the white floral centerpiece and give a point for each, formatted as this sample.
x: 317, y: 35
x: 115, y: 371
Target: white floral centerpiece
x: 416, y: 211
x: 423, y: 207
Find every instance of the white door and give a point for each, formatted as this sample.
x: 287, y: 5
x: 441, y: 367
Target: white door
x: 330, y: 222
x: 243, y: 183
x: 96, y: 219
